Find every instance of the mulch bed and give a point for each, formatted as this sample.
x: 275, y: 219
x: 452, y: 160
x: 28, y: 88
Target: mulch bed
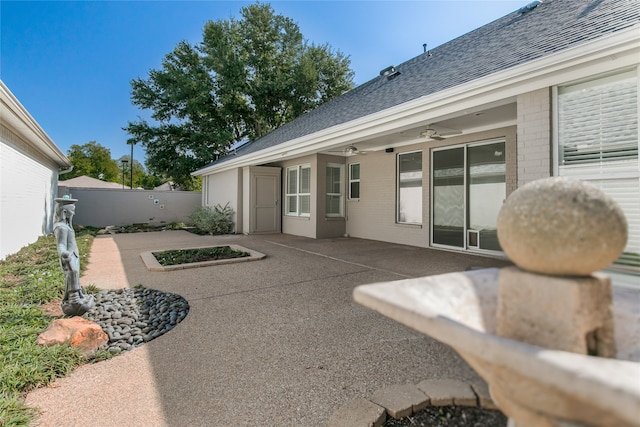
x: 451, y: 416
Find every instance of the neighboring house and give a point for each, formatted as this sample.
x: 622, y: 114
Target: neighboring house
x: 426, y: 153
x: 88, y: 182
x: 29, y: 166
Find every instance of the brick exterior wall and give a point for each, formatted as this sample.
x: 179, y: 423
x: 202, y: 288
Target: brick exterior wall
x: 534, y: 136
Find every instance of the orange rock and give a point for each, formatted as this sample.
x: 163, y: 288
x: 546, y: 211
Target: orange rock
x: 77, y: 332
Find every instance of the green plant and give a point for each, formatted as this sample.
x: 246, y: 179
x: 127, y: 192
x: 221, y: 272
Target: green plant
x: 175, y: 226
x: 28, y: 279
x: 186, y: 256
x: 213, y: 221
x: 91, y: 289
x: 13, y: 411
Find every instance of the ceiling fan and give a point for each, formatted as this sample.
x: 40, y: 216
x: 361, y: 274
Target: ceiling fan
x: 440, y: 134
x: 351, y: 150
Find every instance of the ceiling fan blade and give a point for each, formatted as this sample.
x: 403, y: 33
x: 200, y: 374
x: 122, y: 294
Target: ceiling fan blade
x: 348, y: 151
x: 438, y: 132
x: 449, y: 132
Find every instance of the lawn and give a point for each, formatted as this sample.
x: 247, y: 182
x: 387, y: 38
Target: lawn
x: 29, y: 279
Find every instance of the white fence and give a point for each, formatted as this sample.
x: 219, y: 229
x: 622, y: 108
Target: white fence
x: 100, y: 207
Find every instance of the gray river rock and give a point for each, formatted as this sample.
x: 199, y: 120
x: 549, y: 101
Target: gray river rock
x: 134, y: 316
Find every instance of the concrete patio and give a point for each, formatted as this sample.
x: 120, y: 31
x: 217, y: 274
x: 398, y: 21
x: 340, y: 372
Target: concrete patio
x: 272, y: 342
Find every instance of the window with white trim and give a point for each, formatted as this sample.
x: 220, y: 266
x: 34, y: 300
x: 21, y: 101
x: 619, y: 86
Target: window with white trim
x: 597, y: 136
x: 409, y: 195
x: 354, y: 181
x: 298, y: 191
x: 335, y: 190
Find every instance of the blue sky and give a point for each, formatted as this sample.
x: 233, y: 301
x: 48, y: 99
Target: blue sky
x: 70, y: 63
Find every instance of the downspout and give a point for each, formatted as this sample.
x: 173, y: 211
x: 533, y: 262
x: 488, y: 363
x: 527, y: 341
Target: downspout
x: 62, y: 172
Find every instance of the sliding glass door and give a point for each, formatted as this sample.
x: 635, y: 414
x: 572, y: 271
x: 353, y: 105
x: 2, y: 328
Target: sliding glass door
x: 448, y: 225
x: 468, y: 189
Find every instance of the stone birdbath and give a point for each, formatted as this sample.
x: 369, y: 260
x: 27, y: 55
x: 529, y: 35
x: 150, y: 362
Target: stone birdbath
x: 557, y: 344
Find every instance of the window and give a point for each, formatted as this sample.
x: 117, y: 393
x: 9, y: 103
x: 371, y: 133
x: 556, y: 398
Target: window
x: 597, y: 141
x: 298, y: 191
x: 598, y: 121
x: 335, y: 190
x: 410, y: 188
x: 354, y: 181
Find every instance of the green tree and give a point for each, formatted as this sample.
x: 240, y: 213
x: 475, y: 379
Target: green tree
x: 149, y: 182
x: 246, y: 78
x: 94, y: 160
x: 188, y: 129
x: 138, y: 171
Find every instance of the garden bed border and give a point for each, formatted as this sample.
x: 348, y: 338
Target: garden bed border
x: 152, y: 263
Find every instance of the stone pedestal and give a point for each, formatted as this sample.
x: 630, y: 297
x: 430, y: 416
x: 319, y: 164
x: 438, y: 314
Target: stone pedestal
x: 561, y: 313
x: 551, y: 314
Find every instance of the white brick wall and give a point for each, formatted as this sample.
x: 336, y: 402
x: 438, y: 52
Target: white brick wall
x: 534, y: 136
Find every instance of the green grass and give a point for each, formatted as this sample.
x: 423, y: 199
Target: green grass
x: 29, y: 279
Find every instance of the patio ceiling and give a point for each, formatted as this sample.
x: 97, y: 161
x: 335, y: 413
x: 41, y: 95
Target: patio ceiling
x: 462, y: 123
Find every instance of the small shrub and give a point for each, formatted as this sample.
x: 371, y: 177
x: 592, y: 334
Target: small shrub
x: 175, y: 226
x: 213, y: 221
x: 91, y: 289
x: 187, y: 256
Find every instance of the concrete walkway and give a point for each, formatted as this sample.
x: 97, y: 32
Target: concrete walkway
x: 272, y: 342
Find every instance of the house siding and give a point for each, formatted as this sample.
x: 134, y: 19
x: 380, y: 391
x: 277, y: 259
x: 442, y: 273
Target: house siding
x: 534, y: 135
x: 373, y: 216
x: 328, y: 226
x: 26, y: 204
x: 300, y: 225
x: 223, y: 188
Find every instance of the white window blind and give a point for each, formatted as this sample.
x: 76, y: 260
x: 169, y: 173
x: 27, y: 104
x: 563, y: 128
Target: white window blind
x: 409, y: 197
x: 598, y: 120
x: 598, y: 143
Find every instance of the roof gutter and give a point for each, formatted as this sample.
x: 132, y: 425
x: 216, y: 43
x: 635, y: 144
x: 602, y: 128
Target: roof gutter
x: 19, y: 121
x: 607, y: 53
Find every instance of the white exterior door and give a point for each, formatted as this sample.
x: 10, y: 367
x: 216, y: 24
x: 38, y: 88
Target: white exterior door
x: 266, y: 203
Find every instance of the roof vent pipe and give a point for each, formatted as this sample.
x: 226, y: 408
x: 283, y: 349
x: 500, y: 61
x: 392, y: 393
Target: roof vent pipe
x: 424, y: 47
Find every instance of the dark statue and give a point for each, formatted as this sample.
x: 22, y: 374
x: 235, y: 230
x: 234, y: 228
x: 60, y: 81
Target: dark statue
x: 75, y: 301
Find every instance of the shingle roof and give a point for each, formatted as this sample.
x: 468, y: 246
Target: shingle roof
x: 89, y: 182
x: 512, y: 40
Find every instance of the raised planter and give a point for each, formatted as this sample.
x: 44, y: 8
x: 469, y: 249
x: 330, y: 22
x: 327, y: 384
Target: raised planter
x: 152, y: 263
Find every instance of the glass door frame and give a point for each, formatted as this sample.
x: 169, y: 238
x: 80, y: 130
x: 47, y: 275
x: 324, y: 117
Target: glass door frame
x: 465, y: 205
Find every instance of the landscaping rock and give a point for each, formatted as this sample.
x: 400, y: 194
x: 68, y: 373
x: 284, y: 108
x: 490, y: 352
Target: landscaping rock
x: 132, y: 317
x: 77, y: 332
